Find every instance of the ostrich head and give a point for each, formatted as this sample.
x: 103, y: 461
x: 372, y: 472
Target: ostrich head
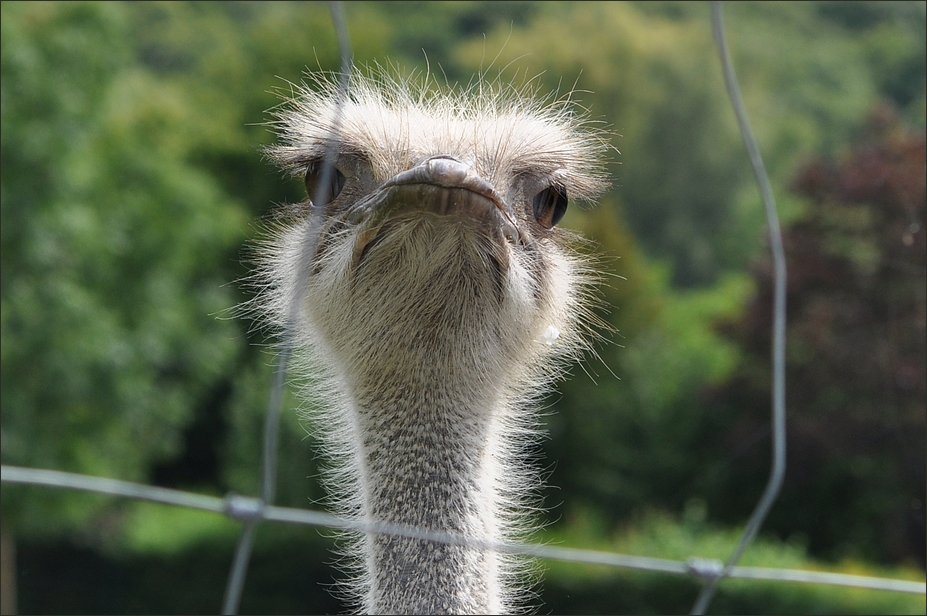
x: 433, y: 297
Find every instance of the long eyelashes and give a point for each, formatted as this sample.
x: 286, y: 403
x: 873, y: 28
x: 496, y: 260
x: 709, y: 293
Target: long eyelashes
x: 550, y: 205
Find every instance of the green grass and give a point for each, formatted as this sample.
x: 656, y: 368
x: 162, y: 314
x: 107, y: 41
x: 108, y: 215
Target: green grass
x: 574, y: 588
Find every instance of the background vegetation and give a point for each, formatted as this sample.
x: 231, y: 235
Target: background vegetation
x: 132, y: 182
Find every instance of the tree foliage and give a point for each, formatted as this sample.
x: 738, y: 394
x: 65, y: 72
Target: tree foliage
x: 112, y: 251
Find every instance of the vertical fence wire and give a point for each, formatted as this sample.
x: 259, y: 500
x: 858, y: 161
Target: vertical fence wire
x: 239, y: 569
x: 777, y: 472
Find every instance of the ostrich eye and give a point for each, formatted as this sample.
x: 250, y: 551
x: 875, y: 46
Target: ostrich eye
x: 323, y: 195
x: 550, y: 205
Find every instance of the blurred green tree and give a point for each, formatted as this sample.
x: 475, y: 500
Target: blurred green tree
x: 113, y: 250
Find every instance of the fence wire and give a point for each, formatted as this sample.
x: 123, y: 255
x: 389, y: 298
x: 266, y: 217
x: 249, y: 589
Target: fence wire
x: 777, y: 470
x: 236, y: 580
x: 250, y: 511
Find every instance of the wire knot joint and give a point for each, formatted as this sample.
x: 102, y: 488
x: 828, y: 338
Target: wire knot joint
x: 244, y: 509
x: 705, y: 568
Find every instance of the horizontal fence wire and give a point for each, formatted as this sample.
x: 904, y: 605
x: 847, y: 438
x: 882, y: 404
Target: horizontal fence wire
x: 250, y: 510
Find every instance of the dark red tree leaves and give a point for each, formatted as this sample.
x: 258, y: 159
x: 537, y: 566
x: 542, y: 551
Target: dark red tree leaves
x: 857, y: 343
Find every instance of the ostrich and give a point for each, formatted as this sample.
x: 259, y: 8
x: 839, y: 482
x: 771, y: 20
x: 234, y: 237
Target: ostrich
x: 436, y: 300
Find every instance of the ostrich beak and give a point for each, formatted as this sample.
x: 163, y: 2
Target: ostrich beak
x: 439, y: 185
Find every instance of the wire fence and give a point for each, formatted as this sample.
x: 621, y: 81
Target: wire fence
x: 250, y: 511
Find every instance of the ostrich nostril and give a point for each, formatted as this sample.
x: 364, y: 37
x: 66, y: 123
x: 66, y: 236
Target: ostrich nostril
x: 443, y: 157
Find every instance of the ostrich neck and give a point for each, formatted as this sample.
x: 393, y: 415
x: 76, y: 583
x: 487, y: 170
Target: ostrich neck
x: 430, y: 338
x: 428, y: 459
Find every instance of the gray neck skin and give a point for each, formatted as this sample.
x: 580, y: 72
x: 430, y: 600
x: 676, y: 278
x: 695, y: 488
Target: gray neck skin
x: 425, y: 450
